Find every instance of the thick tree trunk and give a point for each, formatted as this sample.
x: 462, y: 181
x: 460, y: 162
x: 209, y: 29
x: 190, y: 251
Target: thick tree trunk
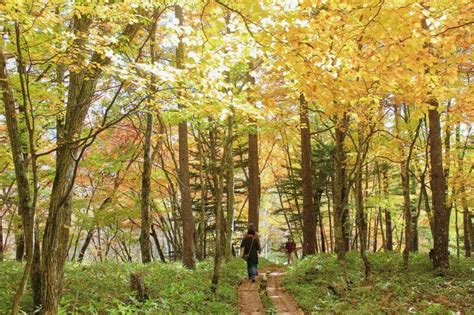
x: 145, y: 244
x: 438, y: 187
x: 19, y: 244
x: 309, y: 227
x: 189, y: 259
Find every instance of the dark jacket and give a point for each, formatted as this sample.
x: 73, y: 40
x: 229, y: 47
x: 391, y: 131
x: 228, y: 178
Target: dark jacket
x: 251, y: 249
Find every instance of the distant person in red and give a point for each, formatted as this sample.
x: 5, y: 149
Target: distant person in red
x: 290, y: 248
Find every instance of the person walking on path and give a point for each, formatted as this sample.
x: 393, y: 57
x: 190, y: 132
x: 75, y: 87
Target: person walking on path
x: 290, y: 248
x: 250, y: 248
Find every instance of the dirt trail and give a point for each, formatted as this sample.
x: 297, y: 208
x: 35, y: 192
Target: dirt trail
x: 283, y: 302
x: 249, y: 297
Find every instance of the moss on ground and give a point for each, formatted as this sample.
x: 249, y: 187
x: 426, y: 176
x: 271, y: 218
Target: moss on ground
x: 319, y: 284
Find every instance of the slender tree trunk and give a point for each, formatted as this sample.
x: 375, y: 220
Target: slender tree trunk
x: 254, y: 179
x: 157, y: 243
x: 25, y: 205
x: 319, y: 216
x: 359, y: 200
x: 85, y: 245
x: 1, y: 239
x: 229, y: 166
x: 340, y: 188
x: 405, y: 181
x: 467, y: 230
x: 218, y: 179
x: 145, y: 244
x: 189, y: 259
x: 309, y: 228
x: 35, y: 273
x: 388, y: 216
x: 438, y: 187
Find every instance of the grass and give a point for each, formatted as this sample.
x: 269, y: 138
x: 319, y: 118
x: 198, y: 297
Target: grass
x: 318, y: 285
x: 105, y: 288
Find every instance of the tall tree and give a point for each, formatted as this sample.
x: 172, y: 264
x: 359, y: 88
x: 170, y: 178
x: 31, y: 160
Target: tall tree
x: 438, y: 187
x: 184, y: 184
x: 254, y: 172
x: 309, y: 222
x: 145, y: 244
x: 21, y: 173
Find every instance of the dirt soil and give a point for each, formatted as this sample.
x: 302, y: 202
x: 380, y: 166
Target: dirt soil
x: 249, y: 295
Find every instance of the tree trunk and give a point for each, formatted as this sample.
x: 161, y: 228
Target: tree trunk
x: 25, y: 206
x: 340, y: 188
x: 254, y: 179
x: 189, y: 259
x: 405, y: 181
x: 361, y: 221
x: 19, y: 244
x: 438, y: 187
x: 309, y: 228
x: 1, y: 239
x: 388, y: 216
x: 229, y: 166
x: 465, y: 213
x: 85, y: 245
x: 157, y: 243
x: 145, y: 244
x: 218, y: 187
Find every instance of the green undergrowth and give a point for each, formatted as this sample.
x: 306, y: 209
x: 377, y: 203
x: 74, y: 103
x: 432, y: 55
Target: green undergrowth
x: 319, y: 284
x: 105, y: 288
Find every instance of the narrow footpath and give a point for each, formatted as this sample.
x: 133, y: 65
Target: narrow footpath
x: 270, y: 279
x: 249, y: 298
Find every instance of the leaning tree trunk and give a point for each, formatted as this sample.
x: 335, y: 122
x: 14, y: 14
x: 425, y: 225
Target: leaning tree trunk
x: 189, y: 259
x: 438, y: 187
x: 145, y: 244
x: 25, y: 207
x: 309, y: 227
x: 81, y: 91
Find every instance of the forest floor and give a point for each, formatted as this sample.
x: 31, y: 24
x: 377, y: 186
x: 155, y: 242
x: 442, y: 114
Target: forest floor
x: 317, y: 284
x: 321, y: 284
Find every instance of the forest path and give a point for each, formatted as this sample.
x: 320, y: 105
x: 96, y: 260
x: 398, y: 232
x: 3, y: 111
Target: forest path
x: 269, y: 280
x: 249, y: 298
x: 281, y: 299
